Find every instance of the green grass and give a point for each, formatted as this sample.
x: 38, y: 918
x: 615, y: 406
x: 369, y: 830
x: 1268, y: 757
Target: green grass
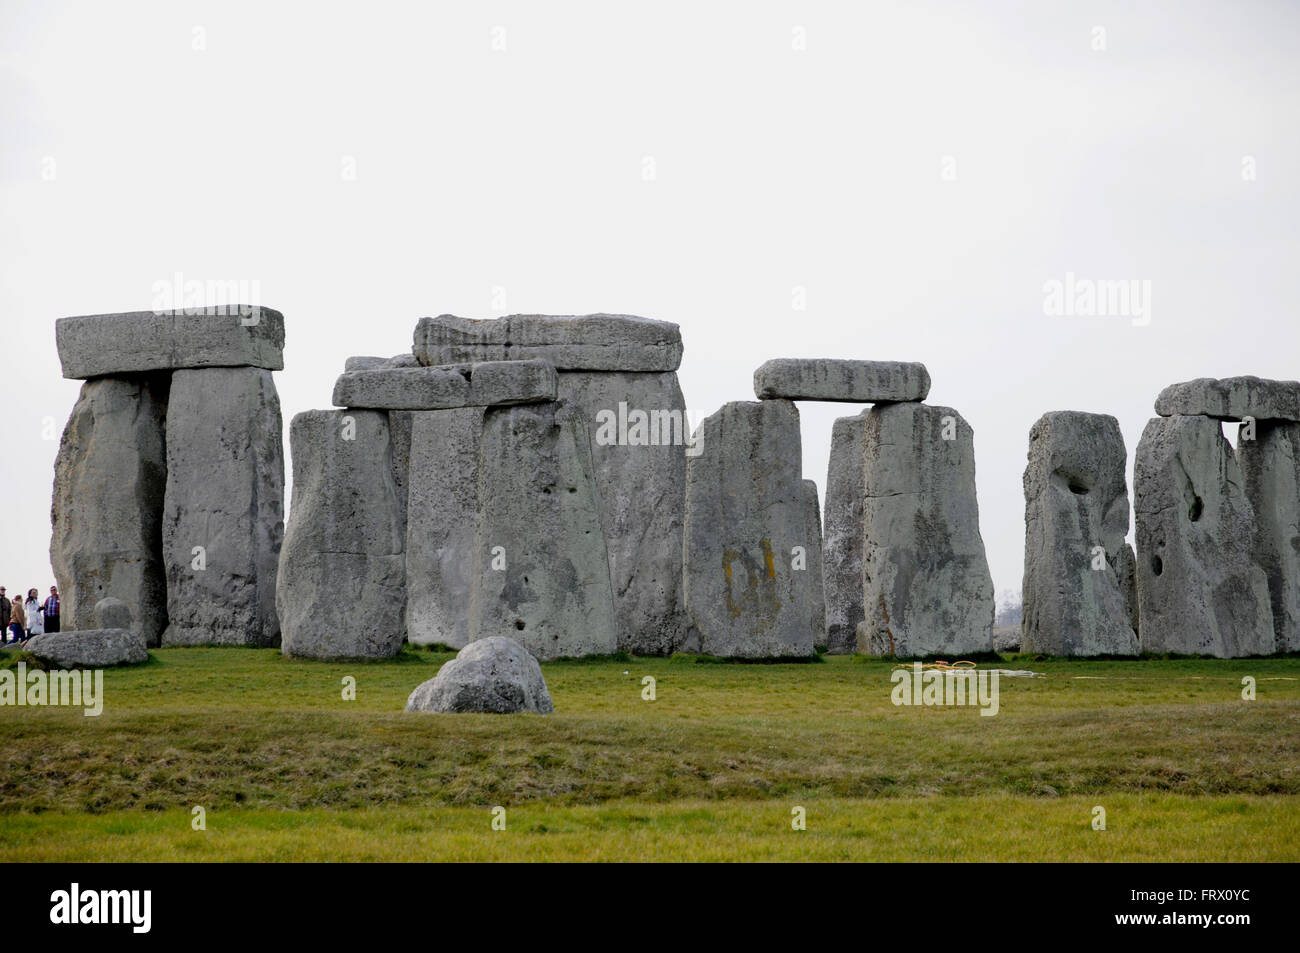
x: 286, y: 769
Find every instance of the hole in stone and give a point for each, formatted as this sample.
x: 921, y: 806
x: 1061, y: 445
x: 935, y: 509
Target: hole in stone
x: 1077, y: 488
x: 519, y: 624
x: 1157, y: 566
x: 573, y: 489
x: 1197, y: 507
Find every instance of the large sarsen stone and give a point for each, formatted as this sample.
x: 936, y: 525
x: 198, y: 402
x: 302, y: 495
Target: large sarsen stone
x: 865, y: 382
x: 94, y: 345
x: 541, y: 570
x: 1199, y: 589
x: 223, y: 516
x: 1076, y: 518
x: 926, y: 583
x: 588, y: 342
x: 109, y: 481
x: 341, y: 589
x: 495, y: 675
x: 842, y: 549
x: 746, y: 510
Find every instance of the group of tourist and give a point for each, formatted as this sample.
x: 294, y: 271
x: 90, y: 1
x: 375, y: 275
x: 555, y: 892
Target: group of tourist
x: 21, y: 618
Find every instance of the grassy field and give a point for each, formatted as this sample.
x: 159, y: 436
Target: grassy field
x: 286, y: 769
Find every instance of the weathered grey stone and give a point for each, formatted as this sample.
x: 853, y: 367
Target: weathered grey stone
x: 494, y: 675
x: 369, y: 363
x: 865, y: 382
x: 399, y: 435
x: 442, y: 511
x: 1126, y: 569
x: 95, y: 345
x: 640, y: 438
x: 438, y: 388
x: 541, y: 569
x: 225, y: 494
x: 1076, y: 518
x: 1006, y: 638
x: 813, y: 552
x: 341, y: 590
x: 1232, y: 398
x: 93, y: 648
x: 109, y: 482
x: 842, y: 549
x: 112, y: 613
x: 589, y: 342
x: 1199, y: 591
x: 1270, y: 463
x: 926, y: 583
x: 745, y: 512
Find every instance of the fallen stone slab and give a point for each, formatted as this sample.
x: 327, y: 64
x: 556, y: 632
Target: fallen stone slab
x: 1199, y: 589
x: 95, y: 345
x: 1232, y: 398
x: 1270, y: 461
x: 441, y: 514
x: 223, y: 514
x: 110, y: 478
x: 368, y: 363
x: 926, y: 583
x: 440, y: 388
x: 1076, y: 519
x: 541, y: 570
x: 640, y: 440
x: 865, y: 382
x: 842, y: 549
x: 746, y: 510
x: 341, y: 586
x: 813, y: 551
x: 93, y: 648
x: 495, y: 675
x: 589, y: 342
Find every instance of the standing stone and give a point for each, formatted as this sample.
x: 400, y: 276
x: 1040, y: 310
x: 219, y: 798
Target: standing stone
x: 926, y: 583
x: 813, y: 552
x: 223, y: 517
x: 341, y: 591
x: 640, y: 438
x: 541, y: 570
x: 1076, y: 518
x: 1199, y: 590
x: 1271, y: 465
x: 842, y: 553
x: 745, y: 512
x: 443, y: 507
x: 109, y: 482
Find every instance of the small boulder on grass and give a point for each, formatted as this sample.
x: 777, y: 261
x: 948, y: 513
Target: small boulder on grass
x: 89, y: 648
x: 495, y: 675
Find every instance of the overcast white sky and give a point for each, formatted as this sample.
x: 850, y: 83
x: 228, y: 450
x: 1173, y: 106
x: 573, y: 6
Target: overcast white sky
x: 793, y: 146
